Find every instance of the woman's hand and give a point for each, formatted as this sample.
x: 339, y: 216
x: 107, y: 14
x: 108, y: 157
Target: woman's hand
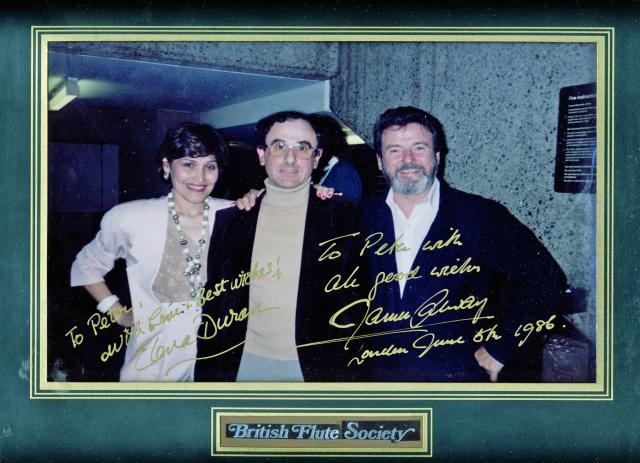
x: 248, y: 200
x: 121, y: 315
x: 325, y: 192
x: 117, y: 313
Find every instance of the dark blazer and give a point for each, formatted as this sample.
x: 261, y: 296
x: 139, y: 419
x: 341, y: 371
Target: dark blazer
x: 231, y: 248
x: 343, y: 177
x: 508, y: 266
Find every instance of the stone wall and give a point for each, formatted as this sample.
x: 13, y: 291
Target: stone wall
x: 498, y: 103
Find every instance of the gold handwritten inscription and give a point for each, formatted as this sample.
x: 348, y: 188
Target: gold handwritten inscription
x: 385, y: 278
x: 99, y: 322
x: 423, y: 316
x: 379, y: 247
x: 114, y: 314
x: 385, y: 352
x: 538, y: 326
x: 244, y: 278
x: 432, y: 306
x: 203, y: 296
x: 213, y: 325
x: 76, y: 338
x: 453, y: 240
x: 330, y: 252
x: 373, y: 239
x: 425, y: 342
x: 335, y: 283
x: 122, y: 341
x: 487, y: 334
x: 156, y: 351
x: 353, y: 317
x: 160, y: 317
x: 439, y: 303
x: 358, y: 317
x: 448, y: 270
x: 258, y: 271
x: 428, y: 341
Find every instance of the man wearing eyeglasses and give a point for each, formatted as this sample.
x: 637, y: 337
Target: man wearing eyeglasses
x: 268, y: 303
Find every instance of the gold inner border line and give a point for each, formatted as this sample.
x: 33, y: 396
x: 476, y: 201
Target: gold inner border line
x: 600, y: 36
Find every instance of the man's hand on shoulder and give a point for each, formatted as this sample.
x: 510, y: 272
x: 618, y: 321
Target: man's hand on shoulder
x: 486, y: 361
x: 248, y: 201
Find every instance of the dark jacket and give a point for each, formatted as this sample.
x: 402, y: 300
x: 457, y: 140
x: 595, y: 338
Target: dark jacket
x: 505, y: 263
x: 344, y: 178
x: 232, y: 244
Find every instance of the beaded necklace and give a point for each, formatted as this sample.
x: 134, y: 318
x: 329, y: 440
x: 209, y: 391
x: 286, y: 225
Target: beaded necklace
x: 192, y: 266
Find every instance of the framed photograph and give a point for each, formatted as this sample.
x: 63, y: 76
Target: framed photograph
x: 102, y: 99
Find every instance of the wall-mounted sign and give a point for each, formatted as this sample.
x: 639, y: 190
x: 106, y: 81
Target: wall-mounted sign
x: 576, y: 149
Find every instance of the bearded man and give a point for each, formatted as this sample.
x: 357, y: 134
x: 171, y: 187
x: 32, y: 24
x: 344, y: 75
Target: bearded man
x: 461, y: 290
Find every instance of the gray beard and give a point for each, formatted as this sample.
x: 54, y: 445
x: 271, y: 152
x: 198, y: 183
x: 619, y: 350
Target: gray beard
x: 411, y: 187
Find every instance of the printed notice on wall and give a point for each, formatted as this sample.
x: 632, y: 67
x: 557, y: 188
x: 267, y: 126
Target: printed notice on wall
x: 576, y: 149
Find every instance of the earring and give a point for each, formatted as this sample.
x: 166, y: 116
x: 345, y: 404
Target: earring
x: 166, y: 175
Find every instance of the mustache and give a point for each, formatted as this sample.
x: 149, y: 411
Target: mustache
x: 410, y: 166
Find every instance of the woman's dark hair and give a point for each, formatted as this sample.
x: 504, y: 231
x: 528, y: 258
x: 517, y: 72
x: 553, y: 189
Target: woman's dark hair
x: 264, y: 125
x: 405, y: 115
x: 333, y: 137
x: 334, y: 142
x: 194, y: 140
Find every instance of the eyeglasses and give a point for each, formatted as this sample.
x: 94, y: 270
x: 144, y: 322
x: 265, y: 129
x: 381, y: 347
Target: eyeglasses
x: 302, y: 150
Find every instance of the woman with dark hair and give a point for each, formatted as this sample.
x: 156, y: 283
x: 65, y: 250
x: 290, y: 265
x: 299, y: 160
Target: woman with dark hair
x: 164, y: 242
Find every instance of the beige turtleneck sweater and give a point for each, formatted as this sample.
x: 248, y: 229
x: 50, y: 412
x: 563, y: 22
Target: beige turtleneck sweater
x: 278, y: 241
